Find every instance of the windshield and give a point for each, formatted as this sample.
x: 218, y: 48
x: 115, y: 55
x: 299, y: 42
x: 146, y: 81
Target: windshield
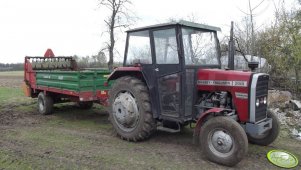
x: 200, y: 47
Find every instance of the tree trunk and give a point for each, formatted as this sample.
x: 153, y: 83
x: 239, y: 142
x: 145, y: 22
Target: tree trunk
x: 112, y: 42
x: 118, y: 12
x: 111, y: 51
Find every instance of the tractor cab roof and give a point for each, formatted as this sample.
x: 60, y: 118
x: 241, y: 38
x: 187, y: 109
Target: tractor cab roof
x: 181, y: 23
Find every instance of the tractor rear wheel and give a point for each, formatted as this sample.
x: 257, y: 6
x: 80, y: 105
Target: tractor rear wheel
x: 130, y: 109
x: 45, y: 104
x: 223, y: 141
x: 269, y: 136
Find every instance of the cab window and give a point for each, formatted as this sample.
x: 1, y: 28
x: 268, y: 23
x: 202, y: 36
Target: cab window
x: 166, y: 46
x: 139, y: 49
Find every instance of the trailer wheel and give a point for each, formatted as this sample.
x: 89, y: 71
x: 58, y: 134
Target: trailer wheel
x: 270, y: 136
x: 130, y: 109
x: 223, y: 141
x: 45, y: 104
x: 85, y: 105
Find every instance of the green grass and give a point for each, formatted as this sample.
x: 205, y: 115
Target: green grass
x: 12, y: 73
x: 47, y: 136
x: 9, y: 161
x: 29, y: 107
x: 75, y: 123
x: 11, y: 94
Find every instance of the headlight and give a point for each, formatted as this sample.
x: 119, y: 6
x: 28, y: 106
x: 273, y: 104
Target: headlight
x: 265, y: 100
x: 257, y: 102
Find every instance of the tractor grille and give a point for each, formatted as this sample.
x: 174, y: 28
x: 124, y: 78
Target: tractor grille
x: 262, y: 85
x: 261, y: 93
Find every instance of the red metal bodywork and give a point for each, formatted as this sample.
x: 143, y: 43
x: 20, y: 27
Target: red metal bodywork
x: 49, y: 53
x: 231, y: 81
x: 29, y: 73
x: 125, y: 71
x: 210, y: 111
x: 199, y: 122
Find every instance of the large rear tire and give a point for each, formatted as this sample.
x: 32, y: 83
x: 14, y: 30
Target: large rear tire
x: 223, y: 141
x: 130, y: 109
x: 269, y: 136
x: 45, y: 104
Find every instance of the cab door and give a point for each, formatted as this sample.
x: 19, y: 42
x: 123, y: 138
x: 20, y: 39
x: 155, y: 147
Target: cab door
x: 167, y: 70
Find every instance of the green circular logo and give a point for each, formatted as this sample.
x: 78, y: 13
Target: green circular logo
x: 282, y: 159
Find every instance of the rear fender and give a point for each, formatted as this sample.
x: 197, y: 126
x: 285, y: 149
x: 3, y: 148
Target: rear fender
x: 126, y: 71
x: 201, y: 120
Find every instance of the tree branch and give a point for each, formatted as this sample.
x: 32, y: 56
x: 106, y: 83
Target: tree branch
x: 240, y: 50
x: 258, y: 5
x: 123, y: 25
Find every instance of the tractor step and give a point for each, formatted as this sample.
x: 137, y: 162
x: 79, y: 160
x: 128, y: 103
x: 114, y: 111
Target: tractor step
x: 169, y: 127
x: 165, y: 129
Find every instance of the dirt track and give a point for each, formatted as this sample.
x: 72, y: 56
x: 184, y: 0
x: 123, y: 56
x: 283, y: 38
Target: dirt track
x: 75, y: 139
x: 11, y: 81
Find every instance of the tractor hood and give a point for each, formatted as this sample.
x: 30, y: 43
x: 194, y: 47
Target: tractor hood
x: 237, y: 83
x: 223, y: 80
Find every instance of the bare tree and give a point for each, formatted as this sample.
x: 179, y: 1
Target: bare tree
x: 246, y: 36
x: 251, y: 14
x: 120, y: 17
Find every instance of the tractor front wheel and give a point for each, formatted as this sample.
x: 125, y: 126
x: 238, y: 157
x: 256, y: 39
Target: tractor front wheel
x: 130, y: 109
x: 223, y: 141
x: 269, y: 136
x: 45, y: 104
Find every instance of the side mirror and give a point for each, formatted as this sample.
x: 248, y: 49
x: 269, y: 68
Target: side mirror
x: 253, y: 65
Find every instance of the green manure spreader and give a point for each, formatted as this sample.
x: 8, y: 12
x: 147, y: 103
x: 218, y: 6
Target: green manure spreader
x: 57, y: 79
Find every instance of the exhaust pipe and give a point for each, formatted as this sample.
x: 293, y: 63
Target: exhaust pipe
x: 231, y: 49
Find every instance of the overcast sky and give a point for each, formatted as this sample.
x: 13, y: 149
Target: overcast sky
x: 29, y: 27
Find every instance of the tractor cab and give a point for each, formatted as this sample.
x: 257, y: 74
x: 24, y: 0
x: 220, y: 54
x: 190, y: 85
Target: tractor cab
x: 169, y: 56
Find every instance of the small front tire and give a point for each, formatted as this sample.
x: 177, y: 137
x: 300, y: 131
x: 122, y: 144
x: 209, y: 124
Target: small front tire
x: 223, y: 141
x: 269, y: 136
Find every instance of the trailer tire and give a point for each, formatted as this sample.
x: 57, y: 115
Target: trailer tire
x: 85, y: 105
x: 223, y: 141
x: 45, y: 104
x: 130, y: 109
x: 270, y: 136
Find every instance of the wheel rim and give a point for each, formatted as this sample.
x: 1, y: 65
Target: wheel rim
x: 221, y: 142
x: 125, y: 111
x: 41, y: 105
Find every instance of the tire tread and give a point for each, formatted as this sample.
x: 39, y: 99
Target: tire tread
x: 149, y: 124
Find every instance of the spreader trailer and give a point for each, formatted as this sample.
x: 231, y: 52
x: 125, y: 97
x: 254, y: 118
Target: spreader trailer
x: 57, y: 80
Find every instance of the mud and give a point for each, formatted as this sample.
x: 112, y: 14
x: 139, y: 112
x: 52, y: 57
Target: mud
x: 76, y: 139
x: 11, y: 81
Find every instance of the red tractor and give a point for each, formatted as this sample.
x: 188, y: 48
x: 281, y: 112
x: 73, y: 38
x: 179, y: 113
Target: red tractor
x: 172, y: 76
